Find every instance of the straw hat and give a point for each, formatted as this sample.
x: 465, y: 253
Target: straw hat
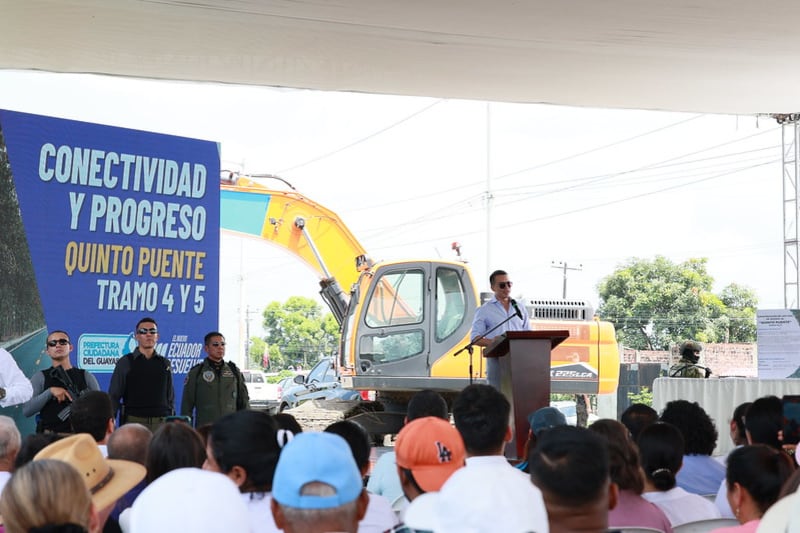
x: 106, y: 479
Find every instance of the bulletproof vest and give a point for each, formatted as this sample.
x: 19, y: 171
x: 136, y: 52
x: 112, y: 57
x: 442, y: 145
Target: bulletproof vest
x: 146, y: 387
x: 53, y: 416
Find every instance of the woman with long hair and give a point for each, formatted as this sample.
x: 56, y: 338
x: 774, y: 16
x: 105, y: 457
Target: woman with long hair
x: 245, y: 447
x: 626, y: 472
x: 754, y: 478
x: 661, y: 448
x: 48, y: 495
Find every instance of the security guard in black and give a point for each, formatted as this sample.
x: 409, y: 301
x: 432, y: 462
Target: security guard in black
x: 142, y: 381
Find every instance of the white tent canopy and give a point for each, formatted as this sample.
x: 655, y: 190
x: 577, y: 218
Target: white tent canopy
x: 718, y: 56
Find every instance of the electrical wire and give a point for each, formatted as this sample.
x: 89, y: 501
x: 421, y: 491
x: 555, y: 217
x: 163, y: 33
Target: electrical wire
x: 361, y: 140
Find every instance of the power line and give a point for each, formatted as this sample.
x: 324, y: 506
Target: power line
x: 598, y: 148
x: 461, y: 234
x: 363, y: 139
x: 635, y: 196
x: 578, y: 183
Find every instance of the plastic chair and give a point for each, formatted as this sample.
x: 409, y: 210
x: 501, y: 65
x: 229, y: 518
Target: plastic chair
x: 703, y: 526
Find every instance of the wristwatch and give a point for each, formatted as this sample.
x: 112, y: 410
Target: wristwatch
x: 2, y: 393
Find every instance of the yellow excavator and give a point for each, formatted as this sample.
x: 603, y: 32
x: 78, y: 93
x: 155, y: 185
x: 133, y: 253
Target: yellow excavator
x: 403, y: 321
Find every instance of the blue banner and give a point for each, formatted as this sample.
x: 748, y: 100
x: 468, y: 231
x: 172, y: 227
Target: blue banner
x: 121, y: 224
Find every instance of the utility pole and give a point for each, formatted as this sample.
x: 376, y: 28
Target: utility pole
x: 581, y: 407
x: 247, y: 314
x: 563, y: 265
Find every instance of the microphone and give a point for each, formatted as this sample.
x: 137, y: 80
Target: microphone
x: 516, y: 308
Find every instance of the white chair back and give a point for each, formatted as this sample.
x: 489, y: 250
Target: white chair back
x: 704, y: 526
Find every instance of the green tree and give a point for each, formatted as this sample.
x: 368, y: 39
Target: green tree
x: 741, y: 303
x: 256, y: 352
x: 655, y: 304
x: 298, y: 331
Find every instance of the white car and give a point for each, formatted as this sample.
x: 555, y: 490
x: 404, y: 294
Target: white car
x: 570, y: 411
x: 262, y: 394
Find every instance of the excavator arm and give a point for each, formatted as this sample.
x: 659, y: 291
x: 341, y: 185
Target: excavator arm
x: 310, y: 231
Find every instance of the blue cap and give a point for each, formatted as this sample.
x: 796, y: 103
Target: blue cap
x: 316, y: 456
x: 546, y: 418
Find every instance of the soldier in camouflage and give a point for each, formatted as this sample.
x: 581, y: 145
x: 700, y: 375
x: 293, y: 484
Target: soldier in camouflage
x: 687, y: 366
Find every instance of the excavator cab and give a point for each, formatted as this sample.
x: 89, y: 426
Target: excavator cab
x: 411, y: 316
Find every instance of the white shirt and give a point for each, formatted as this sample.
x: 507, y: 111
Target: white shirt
x: 259, y: 512
x: 379, y: 516
x: 18, y: 387
x: 4, y: 477
x: 486, y: 496
x: 681, y: 506
x: 721, y: 501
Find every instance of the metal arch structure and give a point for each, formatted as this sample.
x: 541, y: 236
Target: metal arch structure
x: 790, y: 135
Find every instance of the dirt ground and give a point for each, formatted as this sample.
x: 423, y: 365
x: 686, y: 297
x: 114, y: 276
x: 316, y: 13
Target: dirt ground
x: 316, y: 416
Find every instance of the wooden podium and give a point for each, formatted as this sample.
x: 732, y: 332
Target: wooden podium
x: 524, y: 358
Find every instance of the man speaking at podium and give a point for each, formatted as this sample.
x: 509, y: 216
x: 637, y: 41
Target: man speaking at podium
x: 500, y: 314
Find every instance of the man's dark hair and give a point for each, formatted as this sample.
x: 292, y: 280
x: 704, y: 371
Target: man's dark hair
x: 210, y: 335
x: 426, y: 403
x: 146, y: 319
x: 570, y: 465
x: 33, y: 444
x: 698, y: 430
x: 495, y: 274
x: 59, y: 331
x: 636, y: 417
x: 174, y: 445
x: 357, y: 438
x: 661, y: 450
x: 91, y: 413
x: 481, y: 414
x: 247, y: 439
x: 764, y: 419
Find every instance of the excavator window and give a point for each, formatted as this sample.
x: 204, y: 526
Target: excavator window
x: 397, y: 299
x: 397, y: 304
x: 450, y: 302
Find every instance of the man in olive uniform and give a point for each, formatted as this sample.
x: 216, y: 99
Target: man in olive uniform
x: 214, y: 387
x: 687, y: 366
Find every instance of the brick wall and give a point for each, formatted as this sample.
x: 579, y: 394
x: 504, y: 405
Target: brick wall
x: 722, y: 359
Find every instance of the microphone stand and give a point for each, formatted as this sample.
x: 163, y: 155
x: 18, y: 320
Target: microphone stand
x: 469, y: 347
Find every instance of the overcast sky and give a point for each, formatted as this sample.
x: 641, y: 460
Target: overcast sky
x: 409, y: 176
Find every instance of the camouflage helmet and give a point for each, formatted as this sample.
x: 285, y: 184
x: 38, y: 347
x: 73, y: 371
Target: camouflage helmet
x: 689, y: 350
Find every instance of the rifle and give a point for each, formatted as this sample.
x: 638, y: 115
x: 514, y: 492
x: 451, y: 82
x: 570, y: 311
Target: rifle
x: 60, y: 376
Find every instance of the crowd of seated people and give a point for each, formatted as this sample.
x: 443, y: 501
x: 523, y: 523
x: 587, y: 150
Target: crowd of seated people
x: 236, y: 474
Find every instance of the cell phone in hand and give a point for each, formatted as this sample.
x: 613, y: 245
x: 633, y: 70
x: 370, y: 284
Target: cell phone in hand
x: 791, y: 419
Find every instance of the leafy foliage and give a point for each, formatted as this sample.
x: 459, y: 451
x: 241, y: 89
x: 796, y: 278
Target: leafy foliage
x: 655, y: 304
x: 645, y: 396
x: 298, y: 332
x: 256, y: 352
